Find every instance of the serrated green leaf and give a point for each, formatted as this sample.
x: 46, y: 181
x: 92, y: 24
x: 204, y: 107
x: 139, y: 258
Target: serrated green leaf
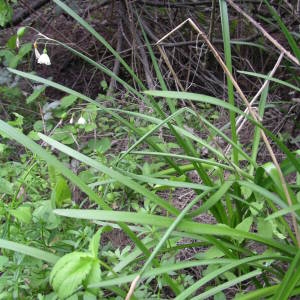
x: 94, y: 276
x: 70, y: 272
x: 264, y: 228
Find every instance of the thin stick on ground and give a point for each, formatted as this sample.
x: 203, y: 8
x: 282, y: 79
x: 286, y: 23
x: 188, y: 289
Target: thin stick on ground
x: 241, y: 119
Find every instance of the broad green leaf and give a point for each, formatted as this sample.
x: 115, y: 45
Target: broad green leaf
x: 93, y: 277
x: 6, y: 187
x: 70, y: 272
x: 264, y: 228
x: 36, y: 94
x: 61, y: 193
x: 44, y: 214
x: 68, y: 101
x: 25, y: 49
x: 3, y: 261
x: 22, y: 213
x: 212, y: 252
x: 103, y: 145
x: 245, y: 225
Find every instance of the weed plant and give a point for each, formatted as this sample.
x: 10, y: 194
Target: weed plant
x: 48, y: 238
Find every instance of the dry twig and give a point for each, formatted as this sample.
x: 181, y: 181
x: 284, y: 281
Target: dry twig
x: 264, y: 32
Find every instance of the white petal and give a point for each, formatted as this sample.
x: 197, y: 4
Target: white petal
x: 37, y: 53
x: 44, y: 59
x: 81, y: 121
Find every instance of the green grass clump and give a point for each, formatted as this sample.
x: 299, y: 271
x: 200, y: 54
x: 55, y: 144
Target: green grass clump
x: 137, y: 191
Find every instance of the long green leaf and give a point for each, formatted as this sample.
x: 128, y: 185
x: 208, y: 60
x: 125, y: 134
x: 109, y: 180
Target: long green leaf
x: 84, y: 97
x: 207, y: 163
x: 160, y: 221
x: 213, y: 275
x: 110, y: 172
x: 221, y: 287
x: 170, y: 230
x: 290, y: 280
x: 195, y: 97
x: 60, y: 167
x: 228, y: 61
x: 283, y: 212
x: 266, y: 77
x: 176, y: 267
x: 30, y: 251
x: 213, y: 199
x: 158, y: 126
x: 284, y: 29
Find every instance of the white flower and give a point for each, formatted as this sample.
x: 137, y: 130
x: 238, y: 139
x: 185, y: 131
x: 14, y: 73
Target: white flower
x: 36, y: 51
x: 44, y: 59
x: 72, y: 120
x: 18, y: 42
x: 81, y: 121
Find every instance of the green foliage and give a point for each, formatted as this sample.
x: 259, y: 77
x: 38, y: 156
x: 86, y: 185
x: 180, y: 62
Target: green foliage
x: 125, y: 171
x: 77, y: 268
x: 6, y: 12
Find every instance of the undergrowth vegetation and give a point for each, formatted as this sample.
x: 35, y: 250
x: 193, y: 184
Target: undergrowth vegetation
x: 150, y: 198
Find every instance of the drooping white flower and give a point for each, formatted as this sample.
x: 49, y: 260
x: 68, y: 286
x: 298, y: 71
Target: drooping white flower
x: 17, y: 42
x: 71, y: 120
x: 81, y: 121
x: 44, y: 58
x: 36, y: 51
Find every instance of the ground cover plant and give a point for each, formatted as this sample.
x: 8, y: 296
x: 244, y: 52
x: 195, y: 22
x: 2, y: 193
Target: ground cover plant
x: 167, y: 180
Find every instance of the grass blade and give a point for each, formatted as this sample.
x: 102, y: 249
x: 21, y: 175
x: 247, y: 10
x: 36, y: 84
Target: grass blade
x: 30, y: 251
x: 110, y: 172
x: 184, y: 226
x: 228, y: 61
x: 290, y: 280
x: 221, y: 287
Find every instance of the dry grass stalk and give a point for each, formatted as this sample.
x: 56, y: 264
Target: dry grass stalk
x: 264, y: 32
x: 252, y: 112
x: 249, y: 108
